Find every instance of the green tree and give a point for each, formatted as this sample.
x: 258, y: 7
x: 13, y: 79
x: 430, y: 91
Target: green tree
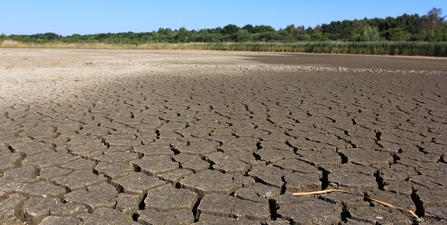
x: 203, y: 36
x: 291, y: 29
x: 302, y: 34
x: 174, y: 36
x: 369, y: 34
x: 230, y: 29
x: 183, y: 35
x: 249, y: 28
x: 433, y: 20
x: 347, y: 31
x: 397, y: 34
x: 333, y: 30
x: 304, y: 37
x: 284, y: 36
x: 267, y: 36
x: 316, y: 34
x: 410, y: 23
x: 263, y: 29
x: 242, y: 36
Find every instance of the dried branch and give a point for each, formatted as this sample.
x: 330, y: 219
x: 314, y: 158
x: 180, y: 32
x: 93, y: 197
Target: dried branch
x: 367, y: 197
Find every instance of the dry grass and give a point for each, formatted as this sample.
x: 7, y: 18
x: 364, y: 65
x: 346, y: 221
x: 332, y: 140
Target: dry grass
x: 367, y: 197
x: 320, y: 192
x: 16, y: 44
x: 370, y: 48
x: 85, y: 45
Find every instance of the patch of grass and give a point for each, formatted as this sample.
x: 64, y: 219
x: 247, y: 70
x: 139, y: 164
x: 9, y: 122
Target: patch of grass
x: 438, y: 49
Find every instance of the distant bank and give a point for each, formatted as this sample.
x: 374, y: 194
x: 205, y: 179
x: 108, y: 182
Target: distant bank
x: 437, y: 49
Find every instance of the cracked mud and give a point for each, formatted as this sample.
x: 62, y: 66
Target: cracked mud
x: 183, y: 137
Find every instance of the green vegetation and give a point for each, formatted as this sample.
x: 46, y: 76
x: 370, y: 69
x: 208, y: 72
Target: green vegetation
x: 371, y: 48
x: 404, y: 35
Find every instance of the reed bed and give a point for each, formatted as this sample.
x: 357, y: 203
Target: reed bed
x: 438, y: 49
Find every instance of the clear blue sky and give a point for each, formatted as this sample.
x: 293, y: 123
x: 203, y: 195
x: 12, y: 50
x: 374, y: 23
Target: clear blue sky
x: 103, y: 16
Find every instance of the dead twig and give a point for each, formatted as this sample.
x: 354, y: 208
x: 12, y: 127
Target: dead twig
x: 347, y: 192
x: 392, y: 206
x: 319, y: 192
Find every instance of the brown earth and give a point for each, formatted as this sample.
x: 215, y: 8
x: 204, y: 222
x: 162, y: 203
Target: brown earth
x: 154, y: 137
x: 356, y: 61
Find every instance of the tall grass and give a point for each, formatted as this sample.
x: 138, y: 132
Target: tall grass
x: 438, y: 49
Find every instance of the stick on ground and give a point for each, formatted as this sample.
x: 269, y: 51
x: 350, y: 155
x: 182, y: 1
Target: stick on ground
x: 367, y: 197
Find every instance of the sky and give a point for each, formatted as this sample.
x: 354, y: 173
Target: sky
x: 104, y: 16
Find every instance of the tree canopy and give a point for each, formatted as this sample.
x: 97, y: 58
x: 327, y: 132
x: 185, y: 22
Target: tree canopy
x: 431, y: 27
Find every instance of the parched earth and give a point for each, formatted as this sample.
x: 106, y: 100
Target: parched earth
x: 182, y: 137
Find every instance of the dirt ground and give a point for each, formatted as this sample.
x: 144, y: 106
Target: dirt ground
x: 210, y: 137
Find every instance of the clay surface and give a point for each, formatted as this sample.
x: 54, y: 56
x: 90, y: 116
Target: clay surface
x: 209, y: 137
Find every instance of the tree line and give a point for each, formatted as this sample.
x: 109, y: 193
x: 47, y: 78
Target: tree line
x: 431, y: 27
